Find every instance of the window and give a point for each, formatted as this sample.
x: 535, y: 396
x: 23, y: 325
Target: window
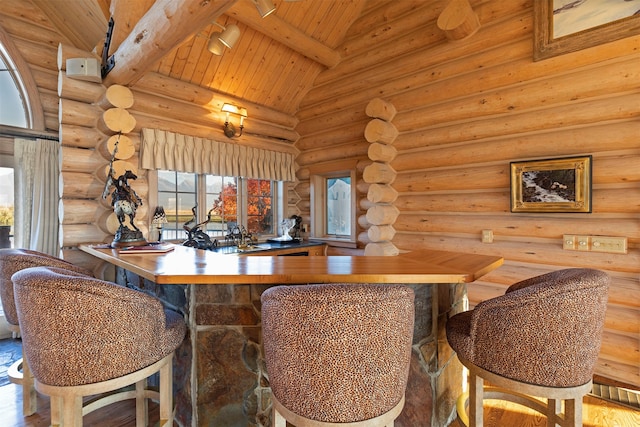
x: 333, y: 207
x: 224, y: 201
x: 338, y: 217
x: 6, y: 206
x: 13, y: 108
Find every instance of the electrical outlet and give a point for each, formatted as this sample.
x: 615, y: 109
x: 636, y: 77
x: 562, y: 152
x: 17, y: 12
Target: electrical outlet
x: 616, y: 245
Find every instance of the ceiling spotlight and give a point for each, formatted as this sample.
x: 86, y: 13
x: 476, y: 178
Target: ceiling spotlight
x: 215, y: 46
x: 230, y: 35
x: 265, y: 7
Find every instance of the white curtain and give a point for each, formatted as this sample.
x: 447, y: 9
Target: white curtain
x: 165, y: 150
x: 36, y: 175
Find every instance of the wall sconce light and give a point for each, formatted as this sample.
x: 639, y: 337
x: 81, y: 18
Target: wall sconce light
x: 229, y: 128
x: 265, y: 7
x: 227, y: 38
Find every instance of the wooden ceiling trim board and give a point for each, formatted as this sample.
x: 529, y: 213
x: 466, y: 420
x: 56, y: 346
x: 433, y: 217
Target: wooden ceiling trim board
x: 164, y: 66
x: 269, y: 72
x: 333, y: 35
x: 197, y: 53
x: 295, y: 92
x: 207, y: 60
x: 292, y: 72
x: 278, y: 60
x: 82, y: 21
x: 310, y: 21
x: 284, y: 33
x: 211, y: 72
x: 165, y: 25
x: 180, y: 59
x: 257, y: 42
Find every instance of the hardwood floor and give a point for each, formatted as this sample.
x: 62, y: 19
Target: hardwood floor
x: 597, y: 412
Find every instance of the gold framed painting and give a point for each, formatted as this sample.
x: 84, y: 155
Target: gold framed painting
x: 552, y: 185
x: 563, y: 26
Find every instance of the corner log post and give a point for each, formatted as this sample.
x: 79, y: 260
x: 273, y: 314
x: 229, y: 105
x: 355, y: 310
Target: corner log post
x: 381, y: 213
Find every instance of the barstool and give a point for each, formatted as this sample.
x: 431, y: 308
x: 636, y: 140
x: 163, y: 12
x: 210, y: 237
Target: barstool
x: 11, y: 261
x: 537, y: 345
x: 337, y: 354
x: 84, y: 336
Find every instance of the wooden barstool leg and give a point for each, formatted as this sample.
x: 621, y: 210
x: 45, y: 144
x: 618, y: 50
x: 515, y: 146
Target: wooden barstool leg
x: 72, y: 411
x: 141, y: 404
x: 56, y: 411
x: 278, y: 419
x: 166, y: 394
x: 554, y: 407
x: 29, y: 398
x: 573, y: 412
x: 476, y: 397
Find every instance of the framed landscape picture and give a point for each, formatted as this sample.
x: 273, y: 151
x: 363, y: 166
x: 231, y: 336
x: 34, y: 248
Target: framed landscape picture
x: 552, y: 185
x: 562, y: 26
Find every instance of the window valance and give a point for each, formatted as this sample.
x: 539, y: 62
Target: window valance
x: 165, y: 150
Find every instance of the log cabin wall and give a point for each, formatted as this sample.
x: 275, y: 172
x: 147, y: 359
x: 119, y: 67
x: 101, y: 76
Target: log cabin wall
x: 468, y: 108
x: 465, y: 110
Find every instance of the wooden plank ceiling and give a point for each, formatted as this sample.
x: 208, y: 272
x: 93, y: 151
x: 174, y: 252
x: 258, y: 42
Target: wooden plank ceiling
x: 274, y: 63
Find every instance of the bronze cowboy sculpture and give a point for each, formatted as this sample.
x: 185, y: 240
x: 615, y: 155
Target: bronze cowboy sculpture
x: 125, y: 201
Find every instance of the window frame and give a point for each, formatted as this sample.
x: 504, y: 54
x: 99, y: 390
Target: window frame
x: 277, y: 203
x: 318, y: 184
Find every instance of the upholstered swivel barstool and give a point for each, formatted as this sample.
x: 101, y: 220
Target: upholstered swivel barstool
x: 540, y: 339
x: 84, y: 336
x: 337, y: 353
x: 11, y: 261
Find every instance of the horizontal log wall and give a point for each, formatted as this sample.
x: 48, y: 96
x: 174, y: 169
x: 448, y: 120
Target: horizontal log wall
x: 466, y: 109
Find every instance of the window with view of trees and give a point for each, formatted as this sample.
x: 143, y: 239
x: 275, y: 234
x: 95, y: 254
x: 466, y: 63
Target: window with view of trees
x: 225, y: 200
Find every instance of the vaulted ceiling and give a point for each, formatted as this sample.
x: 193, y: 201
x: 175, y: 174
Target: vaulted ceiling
x: 274, y: 63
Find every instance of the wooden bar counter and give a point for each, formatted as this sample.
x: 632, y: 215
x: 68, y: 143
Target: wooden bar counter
x: 219, y: 374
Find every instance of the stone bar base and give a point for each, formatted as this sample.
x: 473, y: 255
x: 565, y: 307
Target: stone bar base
x: 219, y: 373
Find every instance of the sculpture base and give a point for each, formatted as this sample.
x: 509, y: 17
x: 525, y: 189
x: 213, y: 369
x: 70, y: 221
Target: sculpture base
x: 127, y: 237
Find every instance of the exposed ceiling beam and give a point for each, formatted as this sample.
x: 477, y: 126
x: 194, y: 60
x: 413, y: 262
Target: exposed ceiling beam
x: 125, y: 14
x: 83, y: 22
x: 165, y: 25
x: 283, y: 32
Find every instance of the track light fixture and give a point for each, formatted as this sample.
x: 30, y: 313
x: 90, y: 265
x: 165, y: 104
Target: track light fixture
x: 265, y: 7
x: 229, y: 128
x: 227, y: 38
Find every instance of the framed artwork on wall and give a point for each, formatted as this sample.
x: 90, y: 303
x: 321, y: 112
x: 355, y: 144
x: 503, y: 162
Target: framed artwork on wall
x: 562, y: 26
x: 552, y: 185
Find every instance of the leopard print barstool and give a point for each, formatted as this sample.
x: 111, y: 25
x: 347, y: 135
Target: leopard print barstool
x: 540, y: 339
x: 11, y: 261
x: 84, y: 337
x: 337, y: 353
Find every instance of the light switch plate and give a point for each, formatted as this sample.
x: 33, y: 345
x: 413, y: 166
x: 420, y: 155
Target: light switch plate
x: 487, y: 236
